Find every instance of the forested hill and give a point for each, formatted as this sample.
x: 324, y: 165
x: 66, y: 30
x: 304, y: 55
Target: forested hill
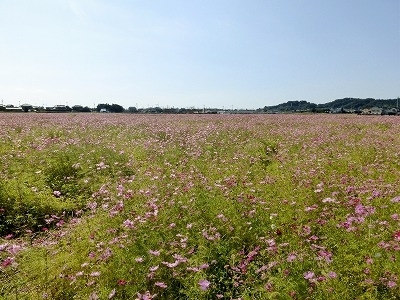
x: 292, y: 106
x: 345, y: 103
x: 355, y: 103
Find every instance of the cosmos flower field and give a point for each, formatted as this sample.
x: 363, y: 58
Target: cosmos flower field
x: 119, y: 206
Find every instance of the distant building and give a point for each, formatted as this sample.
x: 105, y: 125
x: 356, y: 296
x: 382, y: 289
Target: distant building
x: 376, y: 110
x: 372, y: 111
x: 61, y: 108
x: 58, y: 108
x: 390, y: 111
x: 13, y: 109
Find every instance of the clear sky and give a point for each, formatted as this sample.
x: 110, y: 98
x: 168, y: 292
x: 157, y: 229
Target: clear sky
x: 195, y: 53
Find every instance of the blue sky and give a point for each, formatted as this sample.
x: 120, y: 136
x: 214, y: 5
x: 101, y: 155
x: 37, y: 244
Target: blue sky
x: 192, y: 53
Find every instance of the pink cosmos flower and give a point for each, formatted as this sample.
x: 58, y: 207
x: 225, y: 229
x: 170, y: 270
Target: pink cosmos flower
x: 383, y: 244
x: 212, y: 235
x: 269, y: 286
x: 292, y: 257
x: 8, y: 261
x: 368, y: 281
x: 203, y: 266
x: 154, y: 268
x: 311, y: 208
x: 90, y: 283
x: 306, y: 230
x: 154, y: 252
x: 326, y: 255
x: 222, y: 217
x: 106, y: 254
x: 139, y: 259
x: 92, y: 205
x: 13, y: 249
x: 271, y: 242
x: 3, y: 246
x: 160, y: 284
x: 332, y: 274
x: 369, y: 260
x: 146, y: 296
x: 328, y: 200
x: 179, y: 258
x: 112, y: 294
x: 395, y: 217
x: 128, y: 224
x: 396, y: 199
x: 121, y: 282
x: 204, y: 284
x: 171, y: 265
x: 309, y: 275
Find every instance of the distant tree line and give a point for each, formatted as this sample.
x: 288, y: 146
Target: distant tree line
x: 80, y: 108
x: 345, y: 105
x: 114, y: 108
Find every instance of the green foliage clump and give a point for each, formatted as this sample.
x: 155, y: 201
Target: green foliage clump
x: 24, y: 209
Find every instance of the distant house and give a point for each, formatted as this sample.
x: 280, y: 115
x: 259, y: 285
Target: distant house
x: 61, y: 108
x: 103, y: 110
x: 372, y: 111
x: 58, y: 108
x: 13, y: 109
x: 390, y: 111
x: 366, y: 111
x: 336, y: 110
x: 376, y: 110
